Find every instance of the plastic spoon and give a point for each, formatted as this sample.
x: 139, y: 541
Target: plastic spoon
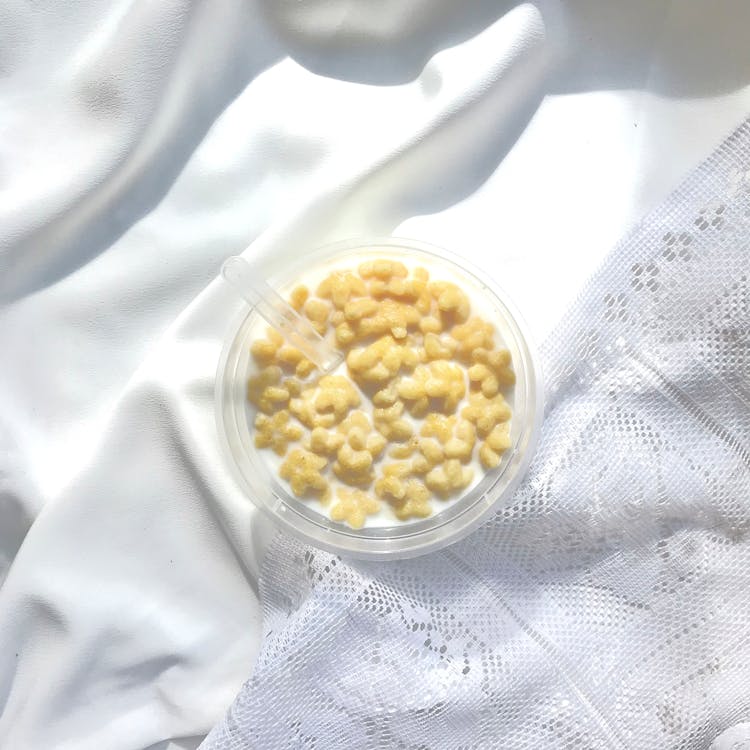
x: 279, y: 314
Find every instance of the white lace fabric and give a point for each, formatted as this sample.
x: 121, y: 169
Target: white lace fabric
x: 607, y: 606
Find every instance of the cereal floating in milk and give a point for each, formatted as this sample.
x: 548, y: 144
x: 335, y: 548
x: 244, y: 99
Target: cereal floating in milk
x: 416, y: 412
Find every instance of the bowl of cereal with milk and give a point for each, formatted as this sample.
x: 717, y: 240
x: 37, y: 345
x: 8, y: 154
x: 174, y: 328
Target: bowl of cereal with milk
x: 425, y: 426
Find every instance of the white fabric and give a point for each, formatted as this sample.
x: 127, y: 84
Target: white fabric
x: 141, y: 143
x: 606, y: 605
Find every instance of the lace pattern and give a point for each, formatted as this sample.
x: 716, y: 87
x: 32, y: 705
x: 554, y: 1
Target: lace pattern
x: 607, y: 606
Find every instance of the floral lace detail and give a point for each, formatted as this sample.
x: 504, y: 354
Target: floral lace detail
x: 606, y: 606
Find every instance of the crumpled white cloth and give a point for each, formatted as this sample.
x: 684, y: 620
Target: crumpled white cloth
x: 140, y: 144
x: 605, y: 606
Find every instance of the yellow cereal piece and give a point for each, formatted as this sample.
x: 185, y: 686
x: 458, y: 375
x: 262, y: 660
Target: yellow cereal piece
x: 390, y: 487
x: 421, y: 274
x: 411, y: 389
x: 409, y: 357
x: 401, y: 430
x: 490, y: 385
x: 485, y: 412
x: 437, y: 480
x: 430, y: 324
x: 420, y: 465
x: 336, y: 394
x: 356, y: 461
x: 367, y: 269
x: 415, y: 503
x: 289, y: 355
x: 450, y: 299
x: 458, y: 440
x: 304, y: 368
x: 303, y: 407
x: 465, y: 431
x: 495, y: 367
x: 337, y: 318
x: 340, y: 286
x: 274, y: 337
x: 489, y: 458
x: 438, y: 379
x: 355, y: 419
x: 359, y: 308
x: 270, y: 375
x: 341, y: 291
x: 432, y: 450
x: 449, y: 477
x: 302, y: 470
x: 389, y: 413
x: 435, y: 348
x: 474, y: 334
x: 392, y: 317
x: 397, y: 431
x: 495, y: 360
x: 398, y: 287
x: 376, y: 444
x: 317, y: 312
x: 382, y: 269
x: 404, y: 450
x: 414, y: 288
x: 293, y: 386
x: 377, y: 375
x: 275, y: 432
x: 324, y: 442
x: 258, y: 385
x: 482, y: 376
x: 499, y: 438
x: 389, y: 423
x: 324, y: 288
x: 276, y: 394
x: 412, y: 316
x: 478, y: 372
x: 398, y: 469
x: 419, y: 407
x: 372, y: 354
x: 439, y: 426
x: 397, y: 269
x: 375, y: 325
x: 452, y: 469
x: 263, y: 351
x: 357, y: 439
x: 326, y: 403
x: 505, y: 376
x: 344, y: 334
x: 359, y: 434
x: 392, y: 360
x: 353, y: 506
x: 298, y: 297
x: 459, y: 449
x: 386, y: 396
x: 378, y: 289
x: 423, y: 304
x: 353, y: 478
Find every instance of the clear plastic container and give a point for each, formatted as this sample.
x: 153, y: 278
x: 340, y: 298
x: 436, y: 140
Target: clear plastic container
x: 262, y: 486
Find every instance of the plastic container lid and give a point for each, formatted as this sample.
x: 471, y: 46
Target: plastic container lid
x: 258, y: 480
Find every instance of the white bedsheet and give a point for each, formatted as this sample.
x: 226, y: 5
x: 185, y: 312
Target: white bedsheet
x: 140, y: 144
